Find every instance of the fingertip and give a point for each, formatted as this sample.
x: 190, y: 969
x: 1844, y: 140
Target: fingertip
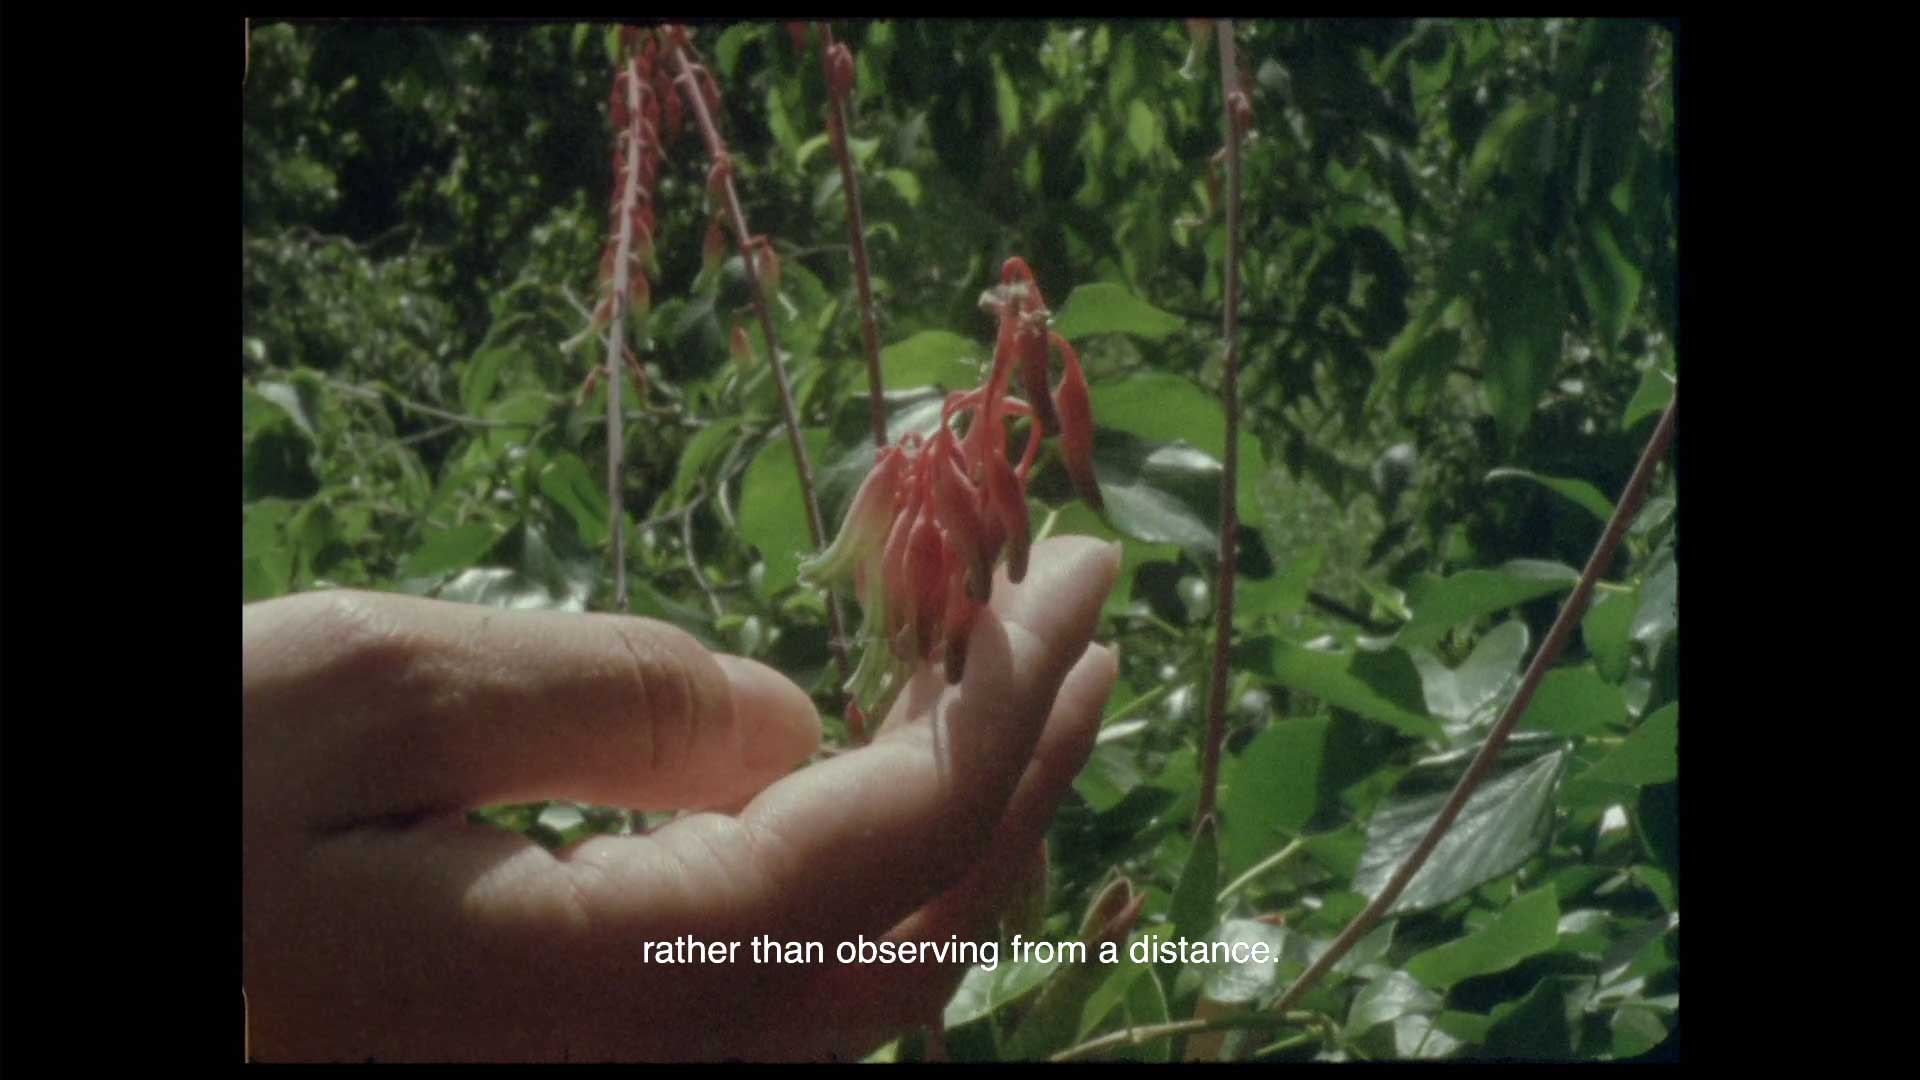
x: 777, y: 721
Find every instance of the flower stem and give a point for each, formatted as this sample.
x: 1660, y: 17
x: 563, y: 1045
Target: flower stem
x: 857, y: 239
x: 743, y: 242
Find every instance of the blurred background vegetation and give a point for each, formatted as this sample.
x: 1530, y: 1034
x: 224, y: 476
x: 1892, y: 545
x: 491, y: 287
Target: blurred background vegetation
x: 1458, y: 330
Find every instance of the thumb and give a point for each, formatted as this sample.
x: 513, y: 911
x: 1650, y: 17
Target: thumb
x: 364, y: 706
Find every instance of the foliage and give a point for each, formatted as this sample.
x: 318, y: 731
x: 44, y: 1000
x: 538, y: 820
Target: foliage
x: 1457, y: 330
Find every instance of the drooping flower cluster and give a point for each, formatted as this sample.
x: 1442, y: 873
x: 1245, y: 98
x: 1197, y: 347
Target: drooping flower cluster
x: 932, y: 519
x: 644, y: 106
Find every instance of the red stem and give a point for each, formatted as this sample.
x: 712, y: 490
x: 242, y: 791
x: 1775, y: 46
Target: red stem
x: 743, y: 241
x: 857, y: 239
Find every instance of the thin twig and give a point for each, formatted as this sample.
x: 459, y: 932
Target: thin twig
x: 616, y: 329
x: 693, y: 564
x: 837, y: 113
x: 1232, y: 105
x: 1134, y: 1036
x: 743, y: 241
x: 374, y: 393
x: 1570, y: 612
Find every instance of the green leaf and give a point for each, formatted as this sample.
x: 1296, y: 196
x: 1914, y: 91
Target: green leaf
x: 1386, y: 999
x: 566, y: 481
x: 450, y: 549
x: 905, y: 183
x: 1509, y: 141
x: 1659, y: 611
x: 1193, y: 898
x: 1655, y: 390
x: 1231, y: 983
x: 1276, y: 786
x: 1379, y: 686
x: 1586, y: 495
x: 1460, y: 694
x: 1159, y: 493
x: 1604, y: 629
x: 523, y: 409
x: 1650, y: 755
x: 1111, y: 992
x: 932, y: 358
x: 700, y: 452
x: 1439, y: 604
x: 266, y: 560
x: 1608, y: 279
x: 1143, y: 128
x: 1575, y: 701
x: 1636, y: 1029
x: 1106, y: 308
x: 290, y: 399
x: 984, y: 990
x: 482, y: 375
x: 773, y: 514
x: 1282, y: 594
x: 1505, y: 821
x: 1526, y: 317
x: 1162, y: 408
x: 1543, y: 1025
x: 1528, y: 926
x: 1146, y: 1005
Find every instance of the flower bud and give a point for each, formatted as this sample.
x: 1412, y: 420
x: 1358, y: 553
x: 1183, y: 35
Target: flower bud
x: 865, y: 529
x: 1075, y: 406
x: 741, y: 348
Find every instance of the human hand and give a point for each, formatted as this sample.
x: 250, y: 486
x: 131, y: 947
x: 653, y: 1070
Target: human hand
x: 378, y: 923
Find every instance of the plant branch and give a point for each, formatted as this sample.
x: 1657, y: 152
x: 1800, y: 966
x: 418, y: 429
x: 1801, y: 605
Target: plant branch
x: 839, y: 86
x: 755, y: 261
x: 1233, y: 102
x: 1603, y: 552
x: 616, y: 328
x: 1134, y: 1036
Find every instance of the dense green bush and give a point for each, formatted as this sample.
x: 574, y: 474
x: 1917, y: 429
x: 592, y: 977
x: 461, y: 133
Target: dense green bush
x: 1457, y: 332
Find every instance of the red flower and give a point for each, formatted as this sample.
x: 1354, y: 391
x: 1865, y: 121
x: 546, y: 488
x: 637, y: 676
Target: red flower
x: 934, y: 515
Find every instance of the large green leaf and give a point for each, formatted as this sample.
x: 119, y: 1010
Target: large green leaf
x: 1439, y: 604
x: 1166, y: 493
x: 450, y: 549
x: 1650, y: 755
x: 1529, y: 926
x: 1575, y: 701
x: 1580, y: 492
x: 773, y: 514
x: 1460, y: 694
x: 1106, y: 308
x: 1505, y: 821
x: 1382, y: 686
x: 1276, y: 786
x: 932, y: 358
